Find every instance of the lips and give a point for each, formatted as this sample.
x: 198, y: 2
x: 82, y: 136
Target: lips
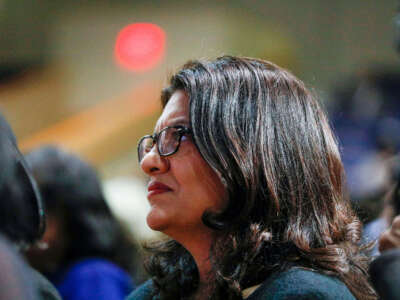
x: 155, y: 188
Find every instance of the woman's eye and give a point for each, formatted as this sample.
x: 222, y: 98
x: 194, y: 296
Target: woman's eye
x: 176, y: 135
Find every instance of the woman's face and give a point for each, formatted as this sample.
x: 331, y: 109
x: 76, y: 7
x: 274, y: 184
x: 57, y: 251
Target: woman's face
x: 182, y: 186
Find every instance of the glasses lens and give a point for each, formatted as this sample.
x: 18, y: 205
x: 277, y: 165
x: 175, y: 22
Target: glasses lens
x: 145, y: 146
x: 168, y: 140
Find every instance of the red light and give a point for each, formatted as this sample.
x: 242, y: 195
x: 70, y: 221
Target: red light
x: 140, y: 46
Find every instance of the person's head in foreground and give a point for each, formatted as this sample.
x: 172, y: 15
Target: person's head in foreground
x: 22, y: 222
x: 22, y: 218
x: 247, y: 181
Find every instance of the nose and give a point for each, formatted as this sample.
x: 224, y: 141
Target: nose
x: 152, y: 163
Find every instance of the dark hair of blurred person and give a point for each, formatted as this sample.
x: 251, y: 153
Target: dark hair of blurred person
x: 385, y: 274
x: 22, y: 219
x: 88, y: 254
x: 274, y: 218
x: 21, y: 214
x: 395, y: 193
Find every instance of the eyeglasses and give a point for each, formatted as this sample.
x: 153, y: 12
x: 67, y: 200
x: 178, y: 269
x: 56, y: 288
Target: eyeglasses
x: 167, y: 140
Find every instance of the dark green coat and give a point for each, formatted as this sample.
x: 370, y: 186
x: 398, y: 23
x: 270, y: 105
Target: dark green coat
x: 294, y: 284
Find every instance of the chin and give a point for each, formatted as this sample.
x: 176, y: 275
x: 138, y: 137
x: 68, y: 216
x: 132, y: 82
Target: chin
x: 156, y: 221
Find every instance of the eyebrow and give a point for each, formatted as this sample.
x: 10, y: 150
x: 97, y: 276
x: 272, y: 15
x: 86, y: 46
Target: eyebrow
x: 176, y: 122
x: 179, y: 121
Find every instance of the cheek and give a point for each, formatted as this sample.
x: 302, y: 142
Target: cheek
x: 201, y: 183
x: 53, y: 230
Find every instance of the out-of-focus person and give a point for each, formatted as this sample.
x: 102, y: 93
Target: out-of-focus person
x: 391, y: 208
x: 391, y: 237
x: 22, y: 219
x: 87, y: 254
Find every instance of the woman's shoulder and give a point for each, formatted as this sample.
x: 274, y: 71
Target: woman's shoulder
x: 299, y: 283
x: 143, y: 292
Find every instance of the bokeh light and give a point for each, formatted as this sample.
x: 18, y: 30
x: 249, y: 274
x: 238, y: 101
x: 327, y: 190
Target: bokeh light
x: 140, y: 46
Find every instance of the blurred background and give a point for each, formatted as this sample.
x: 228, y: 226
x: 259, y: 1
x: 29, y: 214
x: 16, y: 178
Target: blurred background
x: 86, y: 75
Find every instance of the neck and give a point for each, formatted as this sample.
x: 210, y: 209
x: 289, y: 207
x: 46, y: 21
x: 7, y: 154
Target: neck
x: 198, y: 243
x: 200, y: 251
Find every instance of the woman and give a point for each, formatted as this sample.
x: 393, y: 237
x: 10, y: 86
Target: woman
x: 246, y: 180
x: 87, y: 254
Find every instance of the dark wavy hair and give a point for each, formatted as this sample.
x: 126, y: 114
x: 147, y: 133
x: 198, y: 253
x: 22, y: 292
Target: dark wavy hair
x: 71, y: 190
x: 264, y: 133
x: 395, y: 195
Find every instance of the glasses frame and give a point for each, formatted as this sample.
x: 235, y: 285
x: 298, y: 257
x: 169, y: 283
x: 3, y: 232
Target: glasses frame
x: 182, y: 130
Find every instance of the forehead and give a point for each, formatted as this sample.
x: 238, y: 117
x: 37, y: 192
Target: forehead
x: 176, y: 111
